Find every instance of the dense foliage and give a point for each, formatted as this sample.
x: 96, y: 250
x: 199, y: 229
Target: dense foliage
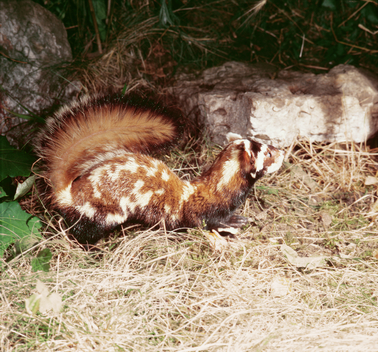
x: 313, y: 34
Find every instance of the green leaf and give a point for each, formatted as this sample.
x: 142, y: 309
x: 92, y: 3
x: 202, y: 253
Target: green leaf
x: 100, y: 12
x: 15, y: 224
x: 13, y: 162
x: 42, y: 261
x: 370, y: 13
x: 166, y: 15
x: 2, y: 193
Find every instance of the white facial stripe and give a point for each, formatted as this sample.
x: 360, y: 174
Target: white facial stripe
x: 247, y: 145
x: 261, y: 158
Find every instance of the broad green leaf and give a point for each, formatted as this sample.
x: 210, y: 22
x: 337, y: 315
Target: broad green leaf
x: 15, y: 224
x: 2, y: 193
x: 13, y: 162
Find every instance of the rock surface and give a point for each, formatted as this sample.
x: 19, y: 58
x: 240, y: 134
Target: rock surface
x: 33, y: 43
x: 278, y: 107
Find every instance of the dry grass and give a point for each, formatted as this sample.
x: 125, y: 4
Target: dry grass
x: 151, y: 291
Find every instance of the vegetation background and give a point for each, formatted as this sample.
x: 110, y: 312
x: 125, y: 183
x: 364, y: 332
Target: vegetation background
x: 302, y: 276
x: 157, y: 38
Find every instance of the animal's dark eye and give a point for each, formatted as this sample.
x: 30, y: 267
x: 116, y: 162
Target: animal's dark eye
x: 269, y: 154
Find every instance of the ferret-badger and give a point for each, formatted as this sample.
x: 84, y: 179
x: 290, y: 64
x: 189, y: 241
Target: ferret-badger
x: 97, y: 173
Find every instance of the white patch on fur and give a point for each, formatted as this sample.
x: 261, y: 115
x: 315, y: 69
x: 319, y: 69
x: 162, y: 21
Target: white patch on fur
x: 127, y: 205
x: 96, y: 192
x: 167, y: 208
x: 150, y: 171
x: 137, y: 186
x: 160, y: 192
x: 97, y: 173
x: 115, y: 219
x: 64, y: 197
x: 132, y: 166
x: 165, y: 176
x: 229, y: 169
x: 187, y: 191
x: 143, y: 199
x: 86, y: 210
x: 128, y: 166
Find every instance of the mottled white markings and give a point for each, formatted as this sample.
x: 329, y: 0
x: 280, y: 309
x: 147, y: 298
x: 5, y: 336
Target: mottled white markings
x: 101, y: 158
x: 96, y: 174
x: 112, y: 173
x: 127, y: 205
x: 96, y: 192
x: 142, y: 199
x: 137, y: 187
x: 167, y: 208
x: 151, y: 171
x: 64, y: 196
x: 132, y: 166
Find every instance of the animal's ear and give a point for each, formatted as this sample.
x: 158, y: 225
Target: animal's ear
x: 233, y: 137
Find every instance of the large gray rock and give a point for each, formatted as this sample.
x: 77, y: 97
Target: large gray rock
x: 278, y: 107
x: 34, y: 44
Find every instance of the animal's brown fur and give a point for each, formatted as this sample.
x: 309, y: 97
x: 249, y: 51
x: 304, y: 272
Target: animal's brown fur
x: 99, y: 178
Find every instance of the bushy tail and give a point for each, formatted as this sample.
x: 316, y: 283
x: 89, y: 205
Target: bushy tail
x: 94, y: 129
